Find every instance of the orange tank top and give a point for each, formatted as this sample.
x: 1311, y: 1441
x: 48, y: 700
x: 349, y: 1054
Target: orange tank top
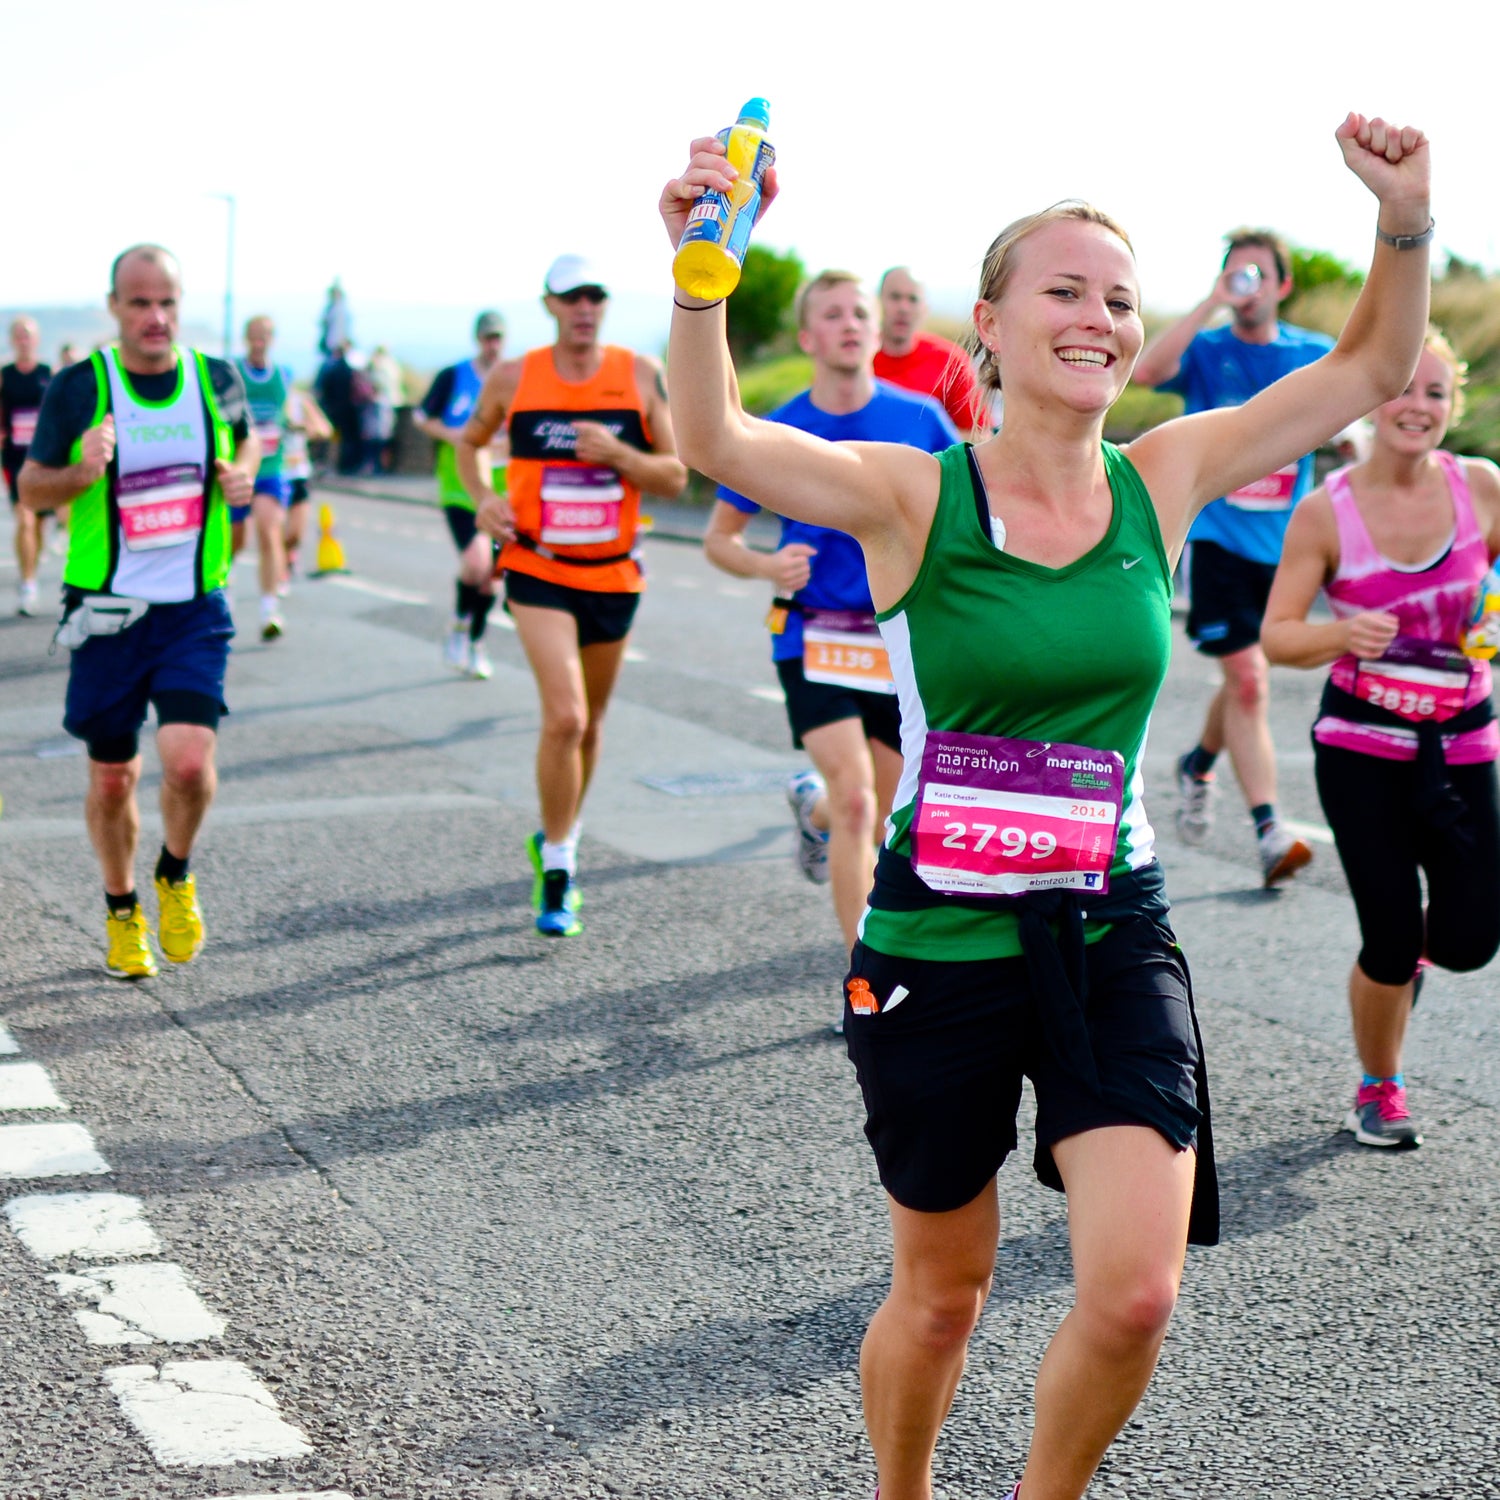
x: 576, y: 522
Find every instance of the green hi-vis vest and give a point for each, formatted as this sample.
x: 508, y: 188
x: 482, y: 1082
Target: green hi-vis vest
x: 154, y: 526
x: 984, y: 643
x: 266, y: 392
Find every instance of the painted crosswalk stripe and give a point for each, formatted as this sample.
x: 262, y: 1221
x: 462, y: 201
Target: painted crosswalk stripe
x: 145, y: 1304
x: 770, y: 694
x: 86, y: 1226
x: 7, y: 1043
x: 48, y: 1151
x: 26, y: 1085
x: 204, y: 1412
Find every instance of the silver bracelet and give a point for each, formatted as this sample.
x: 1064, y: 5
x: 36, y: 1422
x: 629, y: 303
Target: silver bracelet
x: 1407, y: 241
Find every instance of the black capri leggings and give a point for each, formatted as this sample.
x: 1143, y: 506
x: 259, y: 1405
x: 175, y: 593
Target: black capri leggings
x: 1371, y: 806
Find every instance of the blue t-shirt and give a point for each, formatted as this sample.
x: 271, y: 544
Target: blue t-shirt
x: 838, y: 567
x: 1219, y: 369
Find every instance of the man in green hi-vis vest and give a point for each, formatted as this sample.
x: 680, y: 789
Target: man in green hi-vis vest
x: 150, y: 443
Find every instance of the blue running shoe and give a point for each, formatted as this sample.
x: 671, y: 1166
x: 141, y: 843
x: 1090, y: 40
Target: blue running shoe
x: 558, y: 916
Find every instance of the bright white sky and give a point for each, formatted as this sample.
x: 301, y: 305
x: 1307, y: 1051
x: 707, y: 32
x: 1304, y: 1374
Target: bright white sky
x: 437, y: 157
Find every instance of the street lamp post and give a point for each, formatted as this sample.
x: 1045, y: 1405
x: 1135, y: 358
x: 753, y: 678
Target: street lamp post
x: 228, y: 273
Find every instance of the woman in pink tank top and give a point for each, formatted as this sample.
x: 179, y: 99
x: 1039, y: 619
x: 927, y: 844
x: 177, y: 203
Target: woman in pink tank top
x: 1406, y: 741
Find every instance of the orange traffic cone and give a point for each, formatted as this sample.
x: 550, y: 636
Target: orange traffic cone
x: 330, y: 548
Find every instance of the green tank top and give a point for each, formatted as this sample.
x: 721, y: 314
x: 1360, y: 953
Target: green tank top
x: 990, y: 644
x: 266, y: 391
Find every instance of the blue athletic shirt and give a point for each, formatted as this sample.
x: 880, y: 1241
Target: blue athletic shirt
x: 1219, y: 369
x: 838, y: 567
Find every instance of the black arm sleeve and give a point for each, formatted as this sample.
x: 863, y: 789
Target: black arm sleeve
x: 229, y: 392
x: 67, y: 410
x: 439, y: 393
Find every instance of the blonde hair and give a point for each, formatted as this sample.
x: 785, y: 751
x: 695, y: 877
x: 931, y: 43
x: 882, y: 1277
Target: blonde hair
x: 1437, y: 342
x: 822, y: 282
x: 999, y: 263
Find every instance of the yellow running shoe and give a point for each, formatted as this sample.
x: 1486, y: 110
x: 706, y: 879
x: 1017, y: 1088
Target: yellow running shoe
x: 129, y: 955
x: 181, y: 929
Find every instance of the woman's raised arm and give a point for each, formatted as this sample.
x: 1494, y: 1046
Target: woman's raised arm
x: 852, y: 487
x: 1195, y: 459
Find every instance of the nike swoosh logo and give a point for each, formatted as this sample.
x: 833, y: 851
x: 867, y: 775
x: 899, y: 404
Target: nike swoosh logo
x: 1131, y: 563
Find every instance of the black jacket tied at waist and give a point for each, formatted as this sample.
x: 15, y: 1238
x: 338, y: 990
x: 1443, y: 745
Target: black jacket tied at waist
x: 1052, y: 942
x: 1436, y: 799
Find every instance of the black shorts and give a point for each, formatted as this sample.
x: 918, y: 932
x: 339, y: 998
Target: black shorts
x: 602, y: 618
x: 1383, y: 841
x: 941, y: 1068
x: 13, y: 485
x: 299, y: 492
x: 811, y: 705
x: 1227, y: 597
x: 462, y: 525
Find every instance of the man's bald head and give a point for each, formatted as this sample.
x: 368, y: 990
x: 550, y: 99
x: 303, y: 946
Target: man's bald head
x: 145, y: 254
x: 903, y: 310
x: 25, y: 337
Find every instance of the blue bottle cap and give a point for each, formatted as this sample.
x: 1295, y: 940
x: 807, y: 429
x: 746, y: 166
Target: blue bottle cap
x: 756, y: 112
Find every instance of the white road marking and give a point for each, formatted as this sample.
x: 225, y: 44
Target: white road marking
x: 90, y: 1226
x: 211, y: 1411
x: 770, y: 694
x: 138, y: 1305
x: 48, y: 1151
x: 379, y: 590
x: 735, y: 591
x: 60, y: 751
x: 686, y: 583
x: 1319, y: 833
x: 631, y: 654
x: 26, y: 1085
x: 291, y: 1495
x: 7, y: 1041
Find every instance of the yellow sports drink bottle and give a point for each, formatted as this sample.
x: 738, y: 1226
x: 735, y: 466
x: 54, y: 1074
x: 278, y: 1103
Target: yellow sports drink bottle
x: 1483, y: 635
x: 708, y: 260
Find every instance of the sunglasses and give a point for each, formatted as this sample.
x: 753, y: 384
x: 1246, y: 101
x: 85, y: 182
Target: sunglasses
x: 593, y: 295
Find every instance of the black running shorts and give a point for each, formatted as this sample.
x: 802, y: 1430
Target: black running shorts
x: 811, y: 705
x: 941, y: 1067
x: 1227, y: 597
x: 602, y: 618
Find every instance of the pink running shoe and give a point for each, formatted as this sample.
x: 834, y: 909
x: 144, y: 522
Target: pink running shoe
x: 1380, y: 1117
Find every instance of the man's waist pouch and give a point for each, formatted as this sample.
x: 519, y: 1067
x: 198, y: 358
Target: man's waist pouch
x: 85, y: 615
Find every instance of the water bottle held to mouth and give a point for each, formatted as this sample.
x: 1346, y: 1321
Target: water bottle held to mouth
x: 1245, y: 281
x: 708, y: 260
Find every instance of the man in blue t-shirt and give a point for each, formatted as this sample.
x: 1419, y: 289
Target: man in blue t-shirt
x: 1235, y: 543
x: 840, y: 699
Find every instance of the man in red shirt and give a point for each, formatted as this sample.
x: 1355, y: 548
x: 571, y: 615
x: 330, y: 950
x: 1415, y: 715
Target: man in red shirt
x: 922, y: 362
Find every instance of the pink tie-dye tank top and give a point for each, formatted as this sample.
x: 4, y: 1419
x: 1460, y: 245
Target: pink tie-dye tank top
x: 1433, y: 606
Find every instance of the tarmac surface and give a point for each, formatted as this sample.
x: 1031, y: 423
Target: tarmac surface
x: 483, y: 1215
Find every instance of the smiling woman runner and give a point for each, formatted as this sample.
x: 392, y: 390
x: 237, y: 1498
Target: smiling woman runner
x: 1406, y: 740
x: 1018, y: 923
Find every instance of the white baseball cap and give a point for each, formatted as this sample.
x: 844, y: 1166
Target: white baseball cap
x: 569, y: 272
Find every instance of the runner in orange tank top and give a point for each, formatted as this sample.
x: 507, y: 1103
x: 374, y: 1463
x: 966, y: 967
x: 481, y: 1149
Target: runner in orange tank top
x: 589, y: 431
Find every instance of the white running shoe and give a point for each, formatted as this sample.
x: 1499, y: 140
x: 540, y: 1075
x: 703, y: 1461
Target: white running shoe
x: 1195, y: 814
x: 1281, y: 854
x: 456, y: 646
x: 26, y: 595
x: 802, y: 794
x: 480, y: 667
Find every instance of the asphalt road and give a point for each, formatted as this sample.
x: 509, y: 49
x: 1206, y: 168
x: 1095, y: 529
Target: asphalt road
x: 486, y: 1216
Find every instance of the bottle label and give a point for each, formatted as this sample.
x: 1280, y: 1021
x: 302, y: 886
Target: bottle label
x: 718, y: 219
